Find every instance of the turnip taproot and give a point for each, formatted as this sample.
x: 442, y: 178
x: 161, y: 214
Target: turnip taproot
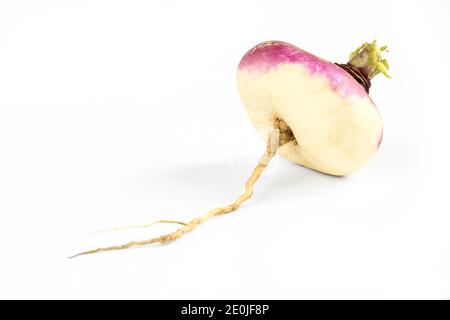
x: 318, y: 114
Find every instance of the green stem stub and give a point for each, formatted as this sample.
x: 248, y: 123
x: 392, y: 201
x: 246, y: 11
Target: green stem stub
x: 368, y: 60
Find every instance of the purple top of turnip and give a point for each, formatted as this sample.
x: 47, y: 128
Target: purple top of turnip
x: 268, y: 55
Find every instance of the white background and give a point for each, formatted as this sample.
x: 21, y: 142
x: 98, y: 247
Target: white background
x: 123, y: 112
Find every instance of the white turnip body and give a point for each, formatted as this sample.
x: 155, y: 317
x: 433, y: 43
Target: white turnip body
x: 336, y: 125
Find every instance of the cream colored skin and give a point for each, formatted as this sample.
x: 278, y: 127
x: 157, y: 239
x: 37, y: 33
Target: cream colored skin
x: 333, y: 134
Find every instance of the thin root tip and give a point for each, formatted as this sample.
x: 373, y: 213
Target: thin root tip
x: 77, y: 255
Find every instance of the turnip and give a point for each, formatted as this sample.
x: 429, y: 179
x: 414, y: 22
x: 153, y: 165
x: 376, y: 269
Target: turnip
x: 318, y: 114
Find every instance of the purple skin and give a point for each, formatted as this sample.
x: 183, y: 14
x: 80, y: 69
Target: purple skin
x: 380, y: 138
x: 268, y: 55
